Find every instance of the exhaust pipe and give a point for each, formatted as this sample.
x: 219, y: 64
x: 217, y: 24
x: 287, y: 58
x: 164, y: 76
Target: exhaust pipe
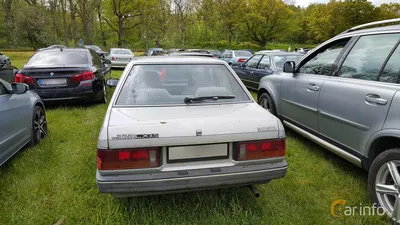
x: 254, y: 191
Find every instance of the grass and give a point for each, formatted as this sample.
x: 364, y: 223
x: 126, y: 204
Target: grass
x: 55, y: 182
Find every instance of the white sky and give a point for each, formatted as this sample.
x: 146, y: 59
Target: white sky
x: 305, y: 3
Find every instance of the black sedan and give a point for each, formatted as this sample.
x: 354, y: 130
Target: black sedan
x: 262, y: 64
x: 66, y: 75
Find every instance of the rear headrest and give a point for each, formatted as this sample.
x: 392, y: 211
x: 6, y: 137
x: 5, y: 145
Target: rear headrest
x: 211, y: 91
x: 150, y: 79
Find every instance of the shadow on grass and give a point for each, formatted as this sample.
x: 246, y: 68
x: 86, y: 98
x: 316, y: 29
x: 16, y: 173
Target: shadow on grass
x: 218, y: 205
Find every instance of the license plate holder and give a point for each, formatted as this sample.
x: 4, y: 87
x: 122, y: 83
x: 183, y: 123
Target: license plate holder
x: 191, y: 153
x: 53, y: 82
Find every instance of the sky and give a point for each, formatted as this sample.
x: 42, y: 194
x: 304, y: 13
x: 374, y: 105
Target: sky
x: 305, y: 3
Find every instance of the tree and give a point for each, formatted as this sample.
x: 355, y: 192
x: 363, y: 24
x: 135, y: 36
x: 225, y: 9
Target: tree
x: 265, y: 19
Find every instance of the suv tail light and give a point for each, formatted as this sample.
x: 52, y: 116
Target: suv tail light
x: 241, y: 60
x: 127, y: 159
x: 88, y: 75
x: 251, y: 150
x: 20, y: 78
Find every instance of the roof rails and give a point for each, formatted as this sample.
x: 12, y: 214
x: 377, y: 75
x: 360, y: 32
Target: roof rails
x: 371, y: 24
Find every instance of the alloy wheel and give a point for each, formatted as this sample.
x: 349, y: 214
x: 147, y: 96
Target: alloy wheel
x: 40, y: 124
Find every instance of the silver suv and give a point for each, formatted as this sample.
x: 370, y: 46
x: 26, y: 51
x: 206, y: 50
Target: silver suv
x: 344, y: 95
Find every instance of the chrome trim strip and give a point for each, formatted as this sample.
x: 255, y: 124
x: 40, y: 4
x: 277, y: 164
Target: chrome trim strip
x: 375, y: 23
x: 347, y: 122
x: 300, y: 105
x: 338, y: 151
x: 249, y: 81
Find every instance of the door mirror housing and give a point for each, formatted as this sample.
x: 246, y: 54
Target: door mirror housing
x: 106, y: 61
x: 19, y: 88
x: 112, y: 82
x: 289, y: 67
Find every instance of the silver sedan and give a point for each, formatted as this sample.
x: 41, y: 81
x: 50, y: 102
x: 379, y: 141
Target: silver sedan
x: 120, y: 57
x: 22, y: 119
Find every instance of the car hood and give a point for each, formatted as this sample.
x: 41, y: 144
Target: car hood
x: 180, y: 125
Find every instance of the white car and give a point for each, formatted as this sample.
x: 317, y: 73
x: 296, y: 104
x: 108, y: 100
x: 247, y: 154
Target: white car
x: 179, y: 124
x: 120, y: 57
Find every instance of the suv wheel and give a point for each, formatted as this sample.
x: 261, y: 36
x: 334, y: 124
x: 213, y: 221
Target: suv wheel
x: 384, y: 182
x: 266, y: 102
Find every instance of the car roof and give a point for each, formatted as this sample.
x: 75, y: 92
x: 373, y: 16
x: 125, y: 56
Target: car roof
x: 279, y: 53
x: 65, y: 50
x: 119, y: 49
x: 177, y: 60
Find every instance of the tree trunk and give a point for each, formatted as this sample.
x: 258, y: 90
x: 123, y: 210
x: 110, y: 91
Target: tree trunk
x: 73, y: 26
x: 103, y: 35
x: 9, y: 22
x: 64, y: 11
x: 120, y: 32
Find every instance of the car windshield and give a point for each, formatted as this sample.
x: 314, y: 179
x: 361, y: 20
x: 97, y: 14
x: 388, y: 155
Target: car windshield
x: 121, y: 51
x: 242, y: 54
x: 171, y: 84
x: 56, y: 58
x: 281, y: 59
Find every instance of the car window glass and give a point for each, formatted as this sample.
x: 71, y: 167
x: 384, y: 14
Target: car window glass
x: 323, y: 59
x: 367, y: 56
x: 58, y: 58
x: 253, y: 61
x: 96, y: 59
x: 171, y: 84
x: 3, y: 90
x: 121, y: 51
x: 391, y: 72
x: 243, y: 54
x: 265, y: 62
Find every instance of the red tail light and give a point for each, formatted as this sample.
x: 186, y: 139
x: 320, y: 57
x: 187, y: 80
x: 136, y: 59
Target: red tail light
x: 241, y: 60
x: 127, y: 159
x: 114, y: 58
x: 83, y: 76
x: 251, y: 150
x: 20, y: 78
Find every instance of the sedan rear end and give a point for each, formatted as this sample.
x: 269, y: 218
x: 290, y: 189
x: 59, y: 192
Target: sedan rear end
x: 120, y: 57
x: 182, y: 124
x: 63, y: 75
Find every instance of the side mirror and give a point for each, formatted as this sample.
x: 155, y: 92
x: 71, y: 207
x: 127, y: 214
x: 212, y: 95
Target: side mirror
x: 19, y: 88
x: 112, y: 82
x: 289, y: 67
x: 106, y: 61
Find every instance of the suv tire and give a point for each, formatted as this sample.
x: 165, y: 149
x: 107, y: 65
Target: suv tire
x: 267, y: 103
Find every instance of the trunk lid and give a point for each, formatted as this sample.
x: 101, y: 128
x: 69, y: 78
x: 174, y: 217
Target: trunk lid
x: 189, y: 125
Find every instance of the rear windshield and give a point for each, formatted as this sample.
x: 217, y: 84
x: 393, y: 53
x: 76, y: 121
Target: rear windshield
x: 171, y: 84
x: 281, y: 59
x: 52, y: 58
x: 243, y: 54
x: 94, y: 47
x: 121, y: 51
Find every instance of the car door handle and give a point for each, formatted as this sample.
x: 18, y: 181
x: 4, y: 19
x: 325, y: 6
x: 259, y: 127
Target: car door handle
x: 312, y: 87
x: 374, y: 98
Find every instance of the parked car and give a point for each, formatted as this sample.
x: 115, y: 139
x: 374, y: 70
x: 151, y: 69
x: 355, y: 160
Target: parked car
x: 155, y: 52
x: 235, y: 57
x: 172, y: 50
x: 214, y: 52
x: 23, y: 119
x: 262, y: 64
x: 120, y: 57
x: 198, y: 50
x: 66, y: 75
x: 52, y: 46
x: 98, y: 50
x: 191, y: 54
x: 179, y: 124
x: 7, y: 71
x: 345, y: 96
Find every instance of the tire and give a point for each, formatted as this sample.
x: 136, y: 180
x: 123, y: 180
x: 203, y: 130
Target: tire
x: 39, y: 126
x: 384, y: 167
x: 267, y: 103
x: 103, y: 99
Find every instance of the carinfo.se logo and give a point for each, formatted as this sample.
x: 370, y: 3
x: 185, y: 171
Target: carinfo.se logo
x: 340, y: 209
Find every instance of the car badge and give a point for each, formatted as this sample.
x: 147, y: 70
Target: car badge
x: 199, y: 133
x: 51, y: 73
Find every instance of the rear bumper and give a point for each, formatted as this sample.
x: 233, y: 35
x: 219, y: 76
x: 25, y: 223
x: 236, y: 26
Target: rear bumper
x: 80, y: 93
x: 123, y: 188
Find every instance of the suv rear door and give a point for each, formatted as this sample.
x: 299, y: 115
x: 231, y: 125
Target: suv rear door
x: 353, y: 104
x: 300, y: 91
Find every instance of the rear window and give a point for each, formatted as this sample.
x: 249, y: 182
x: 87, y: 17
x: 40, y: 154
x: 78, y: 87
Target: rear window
x: 171, y: 84
x: 243, y: 54
x: 55, y: 58
x: 121, y: 51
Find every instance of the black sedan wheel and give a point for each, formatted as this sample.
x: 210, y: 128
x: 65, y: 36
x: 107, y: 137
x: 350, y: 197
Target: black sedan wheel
x: 39, y: 125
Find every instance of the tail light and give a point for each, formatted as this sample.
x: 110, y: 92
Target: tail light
x: 20, y: 78
x: 114, y: 58
x: 241, y: 60
x: 83, y: 76
x: 251, y: 150
x: 127, y: 159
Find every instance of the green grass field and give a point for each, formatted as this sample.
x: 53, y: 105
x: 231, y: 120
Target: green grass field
x: 55, y: 182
